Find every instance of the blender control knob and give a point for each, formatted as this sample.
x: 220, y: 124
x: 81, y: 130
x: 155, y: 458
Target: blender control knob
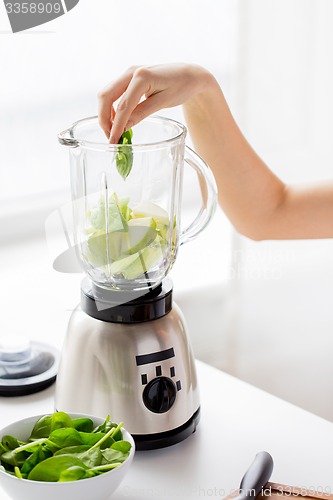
x: 159, y: 394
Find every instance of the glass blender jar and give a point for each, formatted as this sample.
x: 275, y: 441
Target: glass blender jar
x: 128, y: 230
x: 127, y: 352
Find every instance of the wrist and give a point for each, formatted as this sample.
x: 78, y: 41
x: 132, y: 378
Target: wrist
x: 205, y: 91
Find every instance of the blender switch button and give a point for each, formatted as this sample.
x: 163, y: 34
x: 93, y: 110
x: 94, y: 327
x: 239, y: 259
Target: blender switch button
x: 179, y: 385
x: 172, y: 371
x: 159, y: 395
x: 158, y: 371
x: 144, y: 379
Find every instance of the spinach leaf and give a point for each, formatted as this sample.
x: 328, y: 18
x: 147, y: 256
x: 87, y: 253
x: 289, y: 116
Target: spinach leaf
x: 91, y: 457
x: 105, y: 426
x: 37, y: 456
x: 42, y: 428
x: 121, y: 445
x: 71, y: 437
x: 18, y: 456
x: 72, y: 474
x: 124, y: 157
x: 45, y: 425
x: 10, y: 443
x: 13, y: 458
x: 94, y: 437
x: 83, y: 424
x: 66, y: 437
x: 112, y: 432
x: 73, y: 450
x: 51, y: 468
x: 62, y: 449
x: 110, y: 456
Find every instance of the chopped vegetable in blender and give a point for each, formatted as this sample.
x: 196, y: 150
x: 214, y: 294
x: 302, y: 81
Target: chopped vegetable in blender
x: 135, y: 241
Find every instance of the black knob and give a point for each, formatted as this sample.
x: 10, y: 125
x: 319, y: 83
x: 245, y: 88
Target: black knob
x: 159, y: 394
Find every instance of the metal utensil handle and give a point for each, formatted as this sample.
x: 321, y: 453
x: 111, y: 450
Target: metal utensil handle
x: 256, y: 476
x: 208, y: 193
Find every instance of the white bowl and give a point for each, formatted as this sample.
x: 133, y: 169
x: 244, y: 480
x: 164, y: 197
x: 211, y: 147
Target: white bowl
x: 94, y: 488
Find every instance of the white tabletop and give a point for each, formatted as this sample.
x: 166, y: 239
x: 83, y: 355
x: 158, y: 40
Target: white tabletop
x: 237, y: 421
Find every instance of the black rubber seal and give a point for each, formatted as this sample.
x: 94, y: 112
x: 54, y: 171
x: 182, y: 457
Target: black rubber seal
x: 145, y: 442
x: 126, y: 307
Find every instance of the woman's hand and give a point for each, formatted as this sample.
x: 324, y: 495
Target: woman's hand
x: 257, y: 202
x: 162, y: 86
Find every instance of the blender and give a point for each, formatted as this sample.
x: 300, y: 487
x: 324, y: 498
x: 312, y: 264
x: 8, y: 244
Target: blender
x: 127, y: 351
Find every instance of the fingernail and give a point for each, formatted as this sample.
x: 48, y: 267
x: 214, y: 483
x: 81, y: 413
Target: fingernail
x: 112, y: 139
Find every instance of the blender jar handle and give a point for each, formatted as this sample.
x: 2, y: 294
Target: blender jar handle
x: 208, y: 193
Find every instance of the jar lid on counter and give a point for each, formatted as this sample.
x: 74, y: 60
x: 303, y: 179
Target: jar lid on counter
x: 26, y: 366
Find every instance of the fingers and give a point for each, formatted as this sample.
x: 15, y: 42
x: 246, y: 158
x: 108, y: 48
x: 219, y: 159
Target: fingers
x: 108, y: 96
x: 161, y: 86
x: 146, y: 108
x: 136, y: 89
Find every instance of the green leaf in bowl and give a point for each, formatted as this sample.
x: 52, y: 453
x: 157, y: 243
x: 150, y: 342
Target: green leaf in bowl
x: 52, y: 468
x: 83, y: 424
x: 45, y: 425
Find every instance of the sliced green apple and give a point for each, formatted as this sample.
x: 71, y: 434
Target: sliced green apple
x: 137, y: 264
x: 149, y: 209
x: 118, y: 214
x: 97, y: 247
x: 141, y: 233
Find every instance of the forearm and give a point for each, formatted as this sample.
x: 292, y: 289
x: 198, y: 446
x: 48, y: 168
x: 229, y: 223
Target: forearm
x: 257, y: 202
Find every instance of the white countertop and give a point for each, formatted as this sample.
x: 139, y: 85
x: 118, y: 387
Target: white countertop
x: 238, y: 420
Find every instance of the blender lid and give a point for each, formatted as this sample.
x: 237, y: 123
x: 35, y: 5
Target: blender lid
x: 126, y: 306
x: 26, y: 366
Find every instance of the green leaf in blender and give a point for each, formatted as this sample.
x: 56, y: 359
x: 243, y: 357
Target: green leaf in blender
x: 124, y: 156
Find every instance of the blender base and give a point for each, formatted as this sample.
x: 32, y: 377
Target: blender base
x: 168, y: 438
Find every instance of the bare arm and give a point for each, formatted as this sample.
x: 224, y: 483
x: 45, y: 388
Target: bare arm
x: 257, y: 202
